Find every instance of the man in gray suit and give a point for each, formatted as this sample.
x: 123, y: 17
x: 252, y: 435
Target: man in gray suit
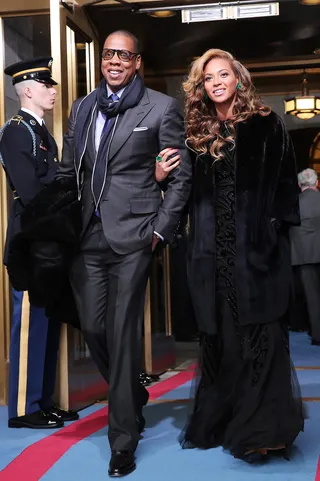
x: 305, y: 248
x: 114, y: 136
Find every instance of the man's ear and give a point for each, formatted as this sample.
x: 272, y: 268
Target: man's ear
x: 28, y: 92
x: 138, y: 62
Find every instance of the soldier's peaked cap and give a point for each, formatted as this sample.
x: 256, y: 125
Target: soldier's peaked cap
x: 38, y: 69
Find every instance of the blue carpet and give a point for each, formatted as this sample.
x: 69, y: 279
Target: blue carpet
x: 14, y: 441
x: 302, y: 353
x: 160, y: 458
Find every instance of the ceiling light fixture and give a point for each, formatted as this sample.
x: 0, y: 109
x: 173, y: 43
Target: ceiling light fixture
x: 235, y: 12
x: 228, y: 10
x: 305, y: 106
x: 162, y: 14
x: 310, y: 2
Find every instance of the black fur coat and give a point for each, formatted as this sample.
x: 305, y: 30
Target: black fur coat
x: 39, y: 255
x: 266, y: 205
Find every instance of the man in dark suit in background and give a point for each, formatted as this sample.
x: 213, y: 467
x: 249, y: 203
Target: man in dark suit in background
x: 29, y: 156
x: 305, y: 248
x: 114, y: 136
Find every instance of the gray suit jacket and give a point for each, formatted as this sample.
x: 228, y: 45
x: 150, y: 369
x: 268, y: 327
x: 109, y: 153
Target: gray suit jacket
x: 305, y: 239
x: 131, y: 206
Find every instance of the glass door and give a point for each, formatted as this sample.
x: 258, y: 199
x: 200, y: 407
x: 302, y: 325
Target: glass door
x: 22, y: 36
x: 80, y: 64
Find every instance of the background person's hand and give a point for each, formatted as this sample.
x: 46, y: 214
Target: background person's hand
x: 166, y: 165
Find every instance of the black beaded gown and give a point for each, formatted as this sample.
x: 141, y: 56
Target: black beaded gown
x: 247, y: 395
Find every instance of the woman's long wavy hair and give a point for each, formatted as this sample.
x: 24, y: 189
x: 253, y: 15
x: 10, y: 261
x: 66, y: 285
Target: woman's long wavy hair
x: 203, y: 125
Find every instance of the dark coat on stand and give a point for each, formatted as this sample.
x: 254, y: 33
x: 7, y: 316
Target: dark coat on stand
x: 39, y: 255
x: 266, y: 205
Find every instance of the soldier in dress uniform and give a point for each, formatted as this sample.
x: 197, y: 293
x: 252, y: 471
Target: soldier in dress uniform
x: 29, y: 156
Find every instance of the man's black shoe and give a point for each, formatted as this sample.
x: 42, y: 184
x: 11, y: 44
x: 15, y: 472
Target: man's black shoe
x: 37, y: 420
x: 121, y: 463
x: 144, y: 379
x: 315, y: 343
x: 64, y: 416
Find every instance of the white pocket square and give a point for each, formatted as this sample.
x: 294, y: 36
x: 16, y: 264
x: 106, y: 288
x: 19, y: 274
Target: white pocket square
x: 139, y: 129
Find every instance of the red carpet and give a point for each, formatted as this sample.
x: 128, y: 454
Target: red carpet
x: 49, y: 450
x: 318, y: 472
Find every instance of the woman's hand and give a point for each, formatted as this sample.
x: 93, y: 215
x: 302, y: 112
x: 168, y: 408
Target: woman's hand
x: 164, y: 165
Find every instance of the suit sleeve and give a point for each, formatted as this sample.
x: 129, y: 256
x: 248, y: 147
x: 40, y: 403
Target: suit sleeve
x: 178, y: 185
x: 286, y: 200
x: 66, y: 166
x: 17, y: 152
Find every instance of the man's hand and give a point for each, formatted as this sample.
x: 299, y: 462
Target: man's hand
x: 164, y: 164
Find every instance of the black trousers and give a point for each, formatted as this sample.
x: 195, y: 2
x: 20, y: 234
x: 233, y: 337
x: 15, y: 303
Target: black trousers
x: 310, y: 280
x: 109, y: 291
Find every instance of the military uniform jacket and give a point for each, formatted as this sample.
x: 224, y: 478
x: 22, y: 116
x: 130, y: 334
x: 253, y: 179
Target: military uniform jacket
x: 30, y: 162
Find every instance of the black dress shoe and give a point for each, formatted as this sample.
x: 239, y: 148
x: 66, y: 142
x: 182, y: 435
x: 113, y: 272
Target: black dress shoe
x: 64, y: 416
x: 254, y: 457
x: 144, y: 379
x: 121, y: 463
x: 315, y: 343
x: 37, y: 420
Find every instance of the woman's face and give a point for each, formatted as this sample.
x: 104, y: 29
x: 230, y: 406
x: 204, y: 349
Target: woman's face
x: 219, y: 81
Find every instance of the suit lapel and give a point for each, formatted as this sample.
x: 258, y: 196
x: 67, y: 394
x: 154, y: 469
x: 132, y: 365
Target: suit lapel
x: 91, y: 147
x: 129, y: 121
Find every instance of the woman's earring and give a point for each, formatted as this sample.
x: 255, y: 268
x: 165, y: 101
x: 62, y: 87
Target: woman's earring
x: 239, y: 85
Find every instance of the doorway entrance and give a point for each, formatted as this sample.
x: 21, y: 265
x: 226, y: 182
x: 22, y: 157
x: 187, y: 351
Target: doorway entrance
x: 51, y: 28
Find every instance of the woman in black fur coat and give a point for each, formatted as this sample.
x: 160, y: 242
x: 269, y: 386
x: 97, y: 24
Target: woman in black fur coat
x: 245, y: 197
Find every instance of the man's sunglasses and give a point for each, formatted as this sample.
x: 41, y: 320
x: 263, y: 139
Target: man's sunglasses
x: 124, y: 55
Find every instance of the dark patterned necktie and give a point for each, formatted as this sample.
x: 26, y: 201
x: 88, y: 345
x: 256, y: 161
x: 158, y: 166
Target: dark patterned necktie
x: 109, y: 122
x: 100, y: 166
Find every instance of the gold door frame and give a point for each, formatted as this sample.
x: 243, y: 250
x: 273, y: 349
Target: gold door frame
x: 63, y: 58
x: 4, y: 282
